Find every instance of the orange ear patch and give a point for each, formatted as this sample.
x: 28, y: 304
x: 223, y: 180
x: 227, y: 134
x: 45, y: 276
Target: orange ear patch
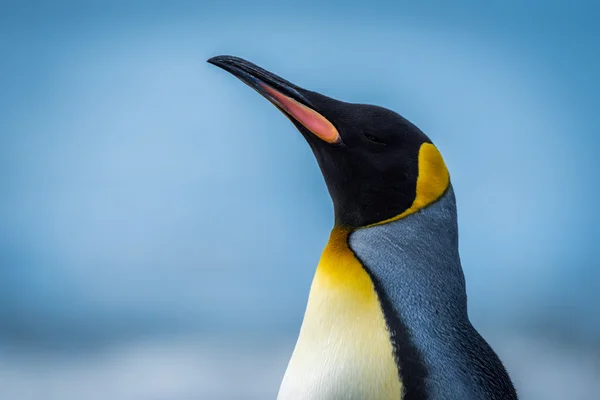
x: 309, y: 118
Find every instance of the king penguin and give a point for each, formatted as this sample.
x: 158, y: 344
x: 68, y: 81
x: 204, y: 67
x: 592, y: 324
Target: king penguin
x: 386, y: 317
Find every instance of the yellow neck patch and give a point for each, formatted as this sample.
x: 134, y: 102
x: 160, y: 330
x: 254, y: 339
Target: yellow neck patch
x: 432, y: 181
x: 344, y: 348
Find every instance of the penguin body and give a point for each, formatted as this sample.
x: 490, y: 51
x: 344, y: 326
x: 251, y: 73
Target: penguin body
x: 387, y: 312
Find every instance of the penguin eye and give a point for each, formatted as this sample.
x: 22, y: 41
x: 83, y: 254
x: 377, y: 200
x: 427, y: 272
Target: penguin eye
x: 374, y: 139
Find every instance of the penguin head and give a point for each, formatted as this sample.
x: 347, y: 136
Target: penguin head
x: 378, y: 166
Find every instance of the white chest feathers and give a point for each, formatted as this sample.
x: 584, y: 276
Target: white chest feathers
x: 343, y: 351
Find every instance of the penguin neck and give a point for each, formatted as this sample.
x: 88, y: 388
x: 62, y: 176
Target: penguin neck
x: 414, y: 262
x: 387, y: 318
x: 415, y: 267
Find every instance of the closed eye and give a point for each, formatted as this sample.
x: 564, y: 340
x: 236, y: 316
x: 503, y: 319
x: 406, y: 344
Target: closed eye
x: 374, y: 139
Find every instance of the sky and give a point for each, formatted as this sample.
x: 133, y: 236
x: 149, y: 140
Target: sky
x: 146, y: 193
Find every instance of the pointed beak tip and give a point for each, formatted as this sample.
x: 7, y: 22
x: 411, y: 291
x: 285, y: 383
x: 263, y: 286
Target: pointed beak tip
x: 217, y: 60
x: 222, y: 60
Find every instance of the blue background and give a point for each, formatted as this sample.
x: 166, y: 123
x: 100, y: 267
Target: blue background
x: 160, y: 222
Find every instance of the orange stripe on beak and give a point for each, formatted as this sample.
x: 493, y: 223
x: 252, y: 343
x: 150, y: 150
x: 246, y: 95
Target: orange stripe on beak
x: 309, y: 118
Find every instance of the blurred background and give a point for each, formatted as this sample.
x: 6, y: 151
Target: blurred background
x: 160, y: 223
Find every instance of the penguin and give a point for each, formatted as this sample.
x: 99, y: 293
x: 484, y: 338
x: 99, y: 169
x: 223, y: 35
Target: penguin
x: 386, y: 317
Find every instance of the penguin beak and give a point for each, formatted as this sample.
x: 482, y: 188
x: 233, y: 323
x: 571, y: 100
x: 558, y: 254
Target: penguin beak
x: 283, y: 94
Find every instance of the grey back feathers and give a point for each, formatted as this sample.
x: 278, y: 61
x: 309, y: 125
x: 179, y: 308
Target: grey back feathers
x: 415, y: 266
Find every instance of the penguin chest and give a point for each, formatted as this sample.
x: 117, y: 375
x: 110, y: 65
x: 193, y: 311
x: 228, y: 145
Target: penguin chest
x: 344, y: 349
